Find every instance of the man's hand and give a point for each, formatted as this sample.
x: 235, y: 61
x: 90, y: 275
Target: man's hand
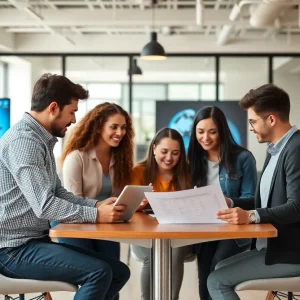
x: 107, y: 213
x: 234, y: 216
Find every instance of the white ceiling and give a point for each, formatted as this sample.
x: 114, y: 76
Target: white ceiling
x: 124, y: 25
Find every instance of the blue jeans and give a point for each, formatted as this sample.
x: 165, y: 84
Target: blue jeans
x: 111, y: 249
x: 100, y: 277
x: 108, y: 248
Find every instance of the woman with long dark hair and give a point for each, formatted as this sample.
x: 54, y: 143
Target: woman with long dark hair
x: 215, y: 158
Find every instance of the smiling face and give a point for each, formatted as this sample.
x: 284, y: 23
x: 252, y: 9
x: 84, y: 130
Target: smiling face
x: 113, y: 130
x: 207, y: 134
x: 62, y: 119
x: 167, y: 153
x: 260, y: 126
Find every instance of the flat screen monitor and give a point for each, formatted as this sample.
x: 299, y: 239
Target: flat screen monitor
x: 4, y: 115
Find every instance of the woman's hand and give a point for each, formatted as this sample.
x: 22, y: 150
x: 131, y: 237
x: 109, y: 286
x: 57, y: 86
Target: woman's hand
x: 145, y: 202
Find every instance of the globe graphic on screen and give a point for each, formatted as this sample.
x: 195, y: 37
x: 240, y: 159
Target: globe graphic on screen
x: 183, y: 122
x: 235, y: 132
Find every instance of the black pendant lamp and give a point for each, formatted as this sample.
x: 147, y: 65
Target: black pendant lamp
x: 135, y: 69
x: 153, y: 50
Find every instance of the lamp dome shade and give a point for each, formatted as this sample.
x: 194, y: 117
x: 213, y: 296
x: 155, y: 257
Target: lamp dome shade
x: 153, y: 50
x: 135, y: 69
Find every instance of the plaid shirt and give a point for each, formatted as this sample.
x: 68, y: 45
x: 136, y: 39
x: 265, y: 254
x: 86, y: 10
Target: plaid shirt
x: 31, y: 193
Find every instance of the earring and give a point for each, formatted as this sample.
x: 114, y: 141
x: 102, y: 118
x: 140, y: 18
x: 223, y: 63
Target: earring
x: 153, y: 153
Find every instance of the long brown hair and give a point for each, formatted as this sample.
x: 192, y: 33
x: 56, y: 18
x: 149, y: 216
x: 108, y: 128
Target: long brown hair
x: 181, y: 177
x: 86, y: 135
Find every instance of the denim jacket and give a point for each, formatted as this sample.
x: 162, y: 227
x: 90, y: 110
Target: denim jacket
x: 241, y: 183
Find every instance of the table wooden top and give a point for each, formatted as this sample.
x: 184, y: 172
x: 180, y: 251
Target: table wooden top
x: 142, y: 226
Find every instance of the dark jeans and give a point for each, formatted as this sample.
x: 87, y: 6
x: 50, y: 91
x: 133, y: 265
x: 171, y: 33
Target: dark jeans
x: 100, y: 277
x: 209, y: 254
x: 108, y: 248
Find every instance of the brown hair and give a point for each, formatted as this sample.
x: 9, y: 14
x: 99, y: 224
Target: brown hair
x: 86, y: 135
x: 181, y: 177
x: 268, y: 99
x: 55, y: 88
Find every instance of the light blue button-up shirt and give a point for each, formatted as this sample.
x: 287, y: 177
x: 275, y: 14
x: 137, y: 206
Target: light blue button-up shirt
x: 267, y: 176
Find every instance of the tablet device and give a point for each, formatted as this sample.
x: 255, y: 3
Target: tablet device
x: 132, y: 196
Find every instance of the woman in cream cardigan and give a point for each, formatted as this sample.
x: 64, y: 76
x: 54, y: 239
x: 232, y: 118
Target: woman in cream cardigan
x: 97, y: 162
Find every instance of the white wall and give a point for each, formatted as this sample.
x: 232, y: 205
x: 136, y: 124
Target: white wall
x: 290, y: 83
x: 238, y: 77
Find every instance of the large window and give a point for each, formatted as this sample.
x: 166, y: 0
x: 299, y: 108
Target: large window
x: 102, y: 76
x: 179, y: 78
x: 240, y: 74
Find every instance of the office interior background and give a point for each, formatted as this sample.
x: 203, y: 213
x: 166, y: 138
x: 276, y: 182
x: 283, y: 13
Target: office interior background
x: 216, y: 51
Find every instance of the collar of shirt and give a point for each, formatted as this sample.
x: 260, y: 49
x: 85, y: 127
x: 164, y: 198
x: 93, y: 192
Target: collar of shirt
x: 45, y: 135
x: 92, y: 154
x: 274, y: 149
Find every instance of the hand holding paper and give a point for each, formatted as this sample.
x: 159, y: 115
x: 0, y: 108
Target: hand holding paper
x: 190, y: 206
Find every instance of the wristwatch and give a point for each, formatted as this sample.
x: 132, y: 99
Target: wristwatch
x: 252, y: 217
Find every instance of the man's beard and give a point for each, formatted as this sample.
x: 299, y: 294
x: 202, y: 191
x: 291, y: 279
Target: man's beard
x: 58, y: 132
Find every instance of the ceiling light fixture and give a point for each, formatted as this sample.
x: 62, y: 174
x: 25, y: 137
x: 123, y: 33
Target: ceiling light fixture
x: 135, y: 69
x: 153, y: 50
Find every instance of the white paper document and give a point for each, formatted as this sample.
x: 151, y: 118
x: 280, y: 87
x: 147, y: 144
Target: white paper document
x: 190, y: 206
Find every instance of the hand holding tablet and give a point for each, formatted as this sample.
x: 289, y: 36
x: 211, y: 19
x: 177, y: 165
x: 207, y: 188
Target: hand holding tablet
x: 132, y: 196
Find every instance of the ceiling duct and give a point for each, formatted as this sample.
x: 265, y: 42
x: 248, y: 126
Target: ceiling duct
x: 264, y: 15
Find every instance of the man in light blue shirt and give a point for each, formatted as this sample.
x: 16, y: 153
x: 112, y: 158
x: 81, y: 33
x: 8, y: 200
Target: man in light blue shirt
x: 277, y: 198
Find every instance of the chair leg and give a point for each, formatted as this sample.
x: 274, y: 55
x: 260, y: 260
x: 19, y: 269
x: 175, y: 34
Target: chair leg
x: 21, y: 297
x: 269, y: 296
x: 128, y: 255
x: 48, y: 296
x: 290, y: 296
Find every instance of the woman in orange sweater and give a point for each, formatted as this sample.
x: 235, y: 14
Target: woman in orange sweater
x: 164, y: 167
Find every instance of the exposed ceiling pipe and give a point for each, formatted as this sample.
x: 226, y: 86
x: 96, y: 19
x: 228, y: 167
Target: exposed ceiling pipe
x: 260, y: 8
x: 199, y: 12
x: 263, y: 14
x: 223, y: 36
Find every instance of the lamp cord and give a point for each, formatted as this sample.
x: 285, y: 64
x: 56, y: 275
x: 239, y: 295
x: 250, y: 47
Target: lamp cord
x: 153, y: 14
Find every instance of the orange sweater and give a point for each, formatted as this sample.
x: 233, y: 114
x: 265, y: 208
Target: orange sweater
x: 159, y: 186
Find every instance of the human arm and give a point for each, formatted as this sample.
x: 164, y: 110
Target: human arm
x: 61, y: 192
x: 249, y: 178
x: 36, y: 179
x: 238, y: 212
x: 289, y: 211
x: 72, y: 175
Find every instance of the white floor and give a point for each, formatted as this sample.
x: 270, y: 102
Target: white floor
x: 132, y: 289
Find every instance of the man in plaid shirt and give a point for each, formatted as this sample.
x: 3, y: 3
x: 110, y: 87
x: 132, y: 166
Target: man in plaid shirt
x: 31, y: 195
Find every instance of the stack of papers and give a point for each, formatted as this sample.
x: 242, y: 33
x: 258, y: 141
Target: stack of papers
x: 198, y: 205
